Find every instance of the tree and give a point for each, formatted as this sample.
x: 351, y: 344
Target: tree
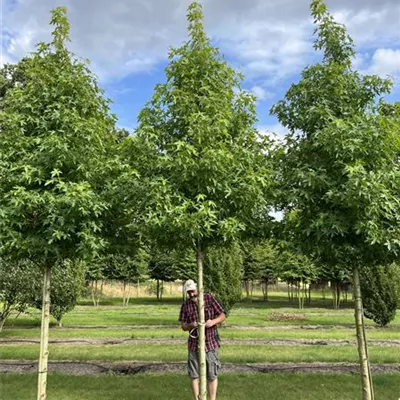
x: 380, y: 293
x: 55, y: 131
x: 17, y: 281
x: 340, y: 167
x: 168, y: 265
x: 200, y: 155
x: 223, y: 274
x: 67, y: 281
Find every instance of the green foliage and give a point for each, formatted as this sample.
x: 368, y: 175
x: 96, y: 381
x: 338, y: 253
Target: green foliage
x: 170, y: 265
x: 223, y: 273
x: 55, y: 134
x: 126, y: 268
x: 17, y: 282
x: 380, y: 288
x: 340, y: 168
x: 66, y: 287
x: 261, y: 261
x: 197, y: 148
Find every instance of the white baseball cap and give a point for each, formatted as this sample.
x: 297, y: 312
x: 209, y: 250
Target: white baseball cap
x: 190, y: 285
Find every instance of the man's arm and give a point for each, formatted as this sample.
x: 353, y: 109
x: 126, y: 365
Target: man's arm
x: 218, y: 320
x: 188, y: 327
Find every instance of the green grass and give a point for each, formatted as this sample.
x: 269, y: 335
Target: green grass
x: 167, y: 314
x: 177, y: 352
x: 177, y: 333
x: 176, y: 387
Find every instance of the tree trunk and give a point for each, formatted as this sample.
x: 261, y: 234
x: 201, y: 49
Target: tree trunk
x: 247, y: 285
x: 123, y: 295
x: 138, y: 288
x: 202, y: 328
x: 44, y: 336
x: 4, y: 314
x: 158, y: 289
x: 365, y: 370
x: 128, y: 295
x: 93, y: 298
x: 338, y: 294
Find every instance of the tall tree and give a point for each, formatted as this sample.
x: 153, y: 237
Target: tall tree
x: 380, y: 293
x: 201, y: 155
x: 55, y: 130
x: 340, y: 168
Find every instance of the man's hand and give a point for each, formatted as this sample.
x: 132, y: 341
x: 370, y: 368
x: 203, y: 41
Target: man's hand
x: 210, y: 323
x: 188, y: 327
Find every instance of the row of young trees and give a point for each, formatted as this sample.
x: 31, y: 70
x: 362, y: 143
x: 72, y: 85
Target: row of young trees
x: 196, y: 175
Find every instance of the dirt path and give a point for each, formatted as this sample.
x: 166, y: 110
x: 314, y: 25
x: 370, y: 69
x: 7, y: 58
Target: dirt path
x: 225, y: 326
x: 271, y: 342
x: 132, y: 368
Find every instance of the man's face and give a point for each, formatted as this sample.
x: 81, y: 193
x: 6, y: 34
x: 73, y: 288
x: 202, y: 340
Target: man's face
x: 192, y: 294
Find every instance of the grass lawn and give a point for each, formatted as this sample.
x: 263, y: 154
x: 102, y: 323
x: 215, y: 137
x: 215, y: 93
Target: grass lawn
x: 177, y: 333
x: 167, y: 314
x: 176, y: 387
x: 177, y: 352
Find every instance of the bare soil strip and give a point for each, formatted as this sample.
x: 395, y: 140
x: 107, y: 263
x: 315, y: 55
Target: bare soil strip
x: 225, y: 326
x: 160, y: 341
x: 132, y: 368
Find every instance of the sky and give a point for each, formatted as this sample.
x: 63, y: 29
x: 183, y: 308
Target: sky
x: 269, y: 41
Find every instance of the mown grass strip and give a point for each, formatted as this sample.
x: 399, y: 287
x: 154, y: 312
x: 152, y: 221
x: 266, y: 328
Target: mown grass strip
x: 177, y: 333
x: 176, y: 387
x: 121, y: 317
x: 172, y: 352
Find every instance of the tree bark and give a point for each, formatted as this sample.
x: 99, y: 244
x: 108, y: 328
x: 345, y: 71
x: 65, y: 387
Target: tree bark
x: 123, y: 295
x: 365, y: 369
x: 44, y: 336
x: 202, y: 328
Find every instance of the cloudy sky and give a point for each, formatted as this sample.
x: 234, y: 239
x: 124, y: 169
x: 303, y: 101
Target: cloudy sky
x: 270, y: 41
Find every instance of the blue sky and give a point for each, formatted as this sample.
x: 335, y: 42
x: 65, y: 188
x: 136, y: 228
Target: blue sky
x: 270, y: 41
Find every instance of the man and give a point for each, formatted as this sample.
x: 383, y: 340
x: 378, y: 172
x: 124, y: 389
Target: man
x: 214, y: 315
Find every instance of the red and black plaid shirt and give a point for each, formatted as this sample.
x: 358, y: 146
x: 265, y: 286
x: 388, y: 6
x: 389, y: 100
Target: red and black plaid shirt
x: 212, y: 309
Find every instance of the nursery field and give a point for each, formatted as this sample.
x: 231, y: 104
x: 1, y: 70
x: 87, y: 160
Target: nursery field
x: 269, y: 350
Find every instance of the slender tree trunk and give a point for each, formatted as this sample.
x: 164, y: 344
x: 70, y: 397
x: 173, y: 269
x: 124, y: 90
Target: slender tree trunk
x: 288, y: 291
x: 365, y: 369
x: 4, y: 314
x: 93, y: 297
x: 123, y: 295
x: 44, y: 336
x: 128, y: 295
x: 138, y: 288
x: 334, y: 295
x: 202, y: 328
x: 158, y: 289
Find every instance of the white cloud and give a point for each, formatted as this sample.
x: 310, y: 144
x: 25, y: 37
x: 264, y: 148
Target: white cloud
x: 275, y: 131
x: 269, y: 39
x: 260, y: 93
x: 385, y: 62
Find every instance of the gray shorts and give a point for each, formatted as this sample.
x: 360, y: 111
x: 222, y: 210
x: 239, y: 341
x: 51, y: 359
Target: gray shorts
x: 212, y: 362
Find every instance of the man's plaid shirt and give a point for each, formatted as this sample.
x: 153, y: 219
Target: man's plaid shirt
x: 212, y: 309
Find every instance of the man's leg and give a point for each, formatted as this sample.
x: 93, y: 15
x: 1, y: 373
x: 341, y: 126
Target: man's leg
x: 213, y: 365
x: 195, y: 388
x: 212, y: 389
x: 193, y: 369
